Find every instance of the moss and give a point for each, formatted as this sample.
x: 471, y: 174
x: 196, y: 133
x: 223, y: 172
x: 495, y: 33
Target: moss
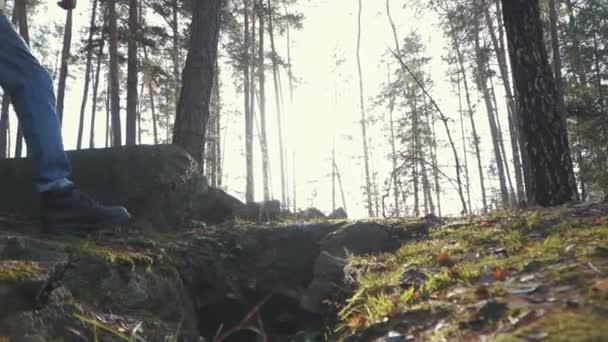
x: 563, y: 326
x: 113, y: 255
x: 17, y: 270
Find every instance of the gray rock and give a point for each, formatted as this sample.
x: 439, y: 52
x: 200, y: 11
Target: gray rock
x: 359, y: 238
x: 312, y: 214
x: 338, y: 214
x: 327, y: 282
x: 160, y: 185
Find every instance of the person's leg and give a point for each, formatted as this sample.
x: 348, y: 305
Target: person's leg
x: 31, y: 90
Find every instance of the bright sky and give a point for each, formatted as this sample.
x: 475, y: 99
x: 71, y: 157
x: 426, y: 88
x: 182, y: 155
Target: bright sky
x: 325, y: 109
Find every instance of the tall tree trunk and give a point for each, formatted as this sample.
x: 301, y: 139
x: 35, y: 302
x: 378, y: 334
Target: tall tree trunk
x: 415, y: 152
x: 193, y: 107
x: 87, y: 76
x: 250, y: 190
x: 176, y: 56
x: 153, y: 110
x: 289, y: 66
x: 598, y: 70
x: 132, y: 82
x: 394, y: 172
x: 4, y: 124
x: 339, y: 176
x: 541, y: 122
x: 557, y: 59
x: 114, y: 75
x: 63, y: 70
x: 96, y: 84
x: 501, y: 141
x: 368, y: 186
x: 482, y: 84
x: 464, y: 145
x: 501, y: 56
x: 278, y: 103
x: 262, y: 94
x: 476, y: 139
x: 108, y: 114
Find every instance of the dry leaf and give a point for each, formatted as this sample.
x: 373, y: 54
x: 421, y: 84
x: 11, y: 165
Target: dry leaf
x: 500, y: 273
x: 601, y: 285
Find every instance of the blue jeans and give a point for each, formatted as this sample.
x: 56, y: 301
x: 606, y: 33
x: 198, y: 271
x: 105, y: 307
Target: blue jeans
x: 31, y: 91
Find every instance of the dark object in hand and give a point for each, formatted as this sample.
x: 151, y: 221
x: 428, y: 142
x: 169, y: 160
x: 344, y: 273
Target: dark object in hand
x: 67, y: 4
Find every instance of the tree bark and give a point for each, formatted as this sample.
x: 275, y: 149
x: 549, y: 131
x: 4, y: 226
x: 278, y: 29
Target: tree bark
x: 87, y: 76
x: 394, y: 172
x: 249, y: 188
x: 132, y: 82
x: 476, y: 138
x: 464, y: 146
x: 279, y: 105
x: 501, y: 56
x: 541, y: 123
x: 368, y: 186
x: 482, y: 84
x: 63, y: 70
x: 114, y: 76
x: 262, y: 100
x: 193, y: 107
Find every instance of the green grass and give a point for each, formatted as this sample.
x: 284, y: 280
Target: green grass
x: 112, y: 255
x: 447, y: 257
x: 17, y: 270
x: 563, y: 327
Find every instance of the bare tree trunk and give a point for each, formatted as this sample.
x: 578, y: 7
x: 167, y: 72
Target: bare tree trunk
x: 395, y: 179
x: 114, y: 75
x: 368, y: 186
x: 87, y: 76
x: 436, y: 171
x: 132, y: 82
x: 4, y: 124
x: 339, y: 176
x: 108, y: 114
x: 476, y: 139
x: 557, y: 60
x: 499, y: 48
x: 289, y: 66
x: 415, y: 152
x: 193, y: 107
x: 598, y: 70
x: 482, y: 84
x: 63, y: 70
x: 464, y: 145
x: 275, y: 72
x: 503, y: 150
x: 96, y: 85
x: 262, y: 99
x: 249, y: 195
x: 176, y: 49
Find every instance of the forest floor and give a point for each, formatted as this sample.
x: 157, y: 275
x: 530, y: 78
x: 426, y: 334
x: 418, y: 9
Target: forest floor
x: 522, y: 275
x: 528, y: 275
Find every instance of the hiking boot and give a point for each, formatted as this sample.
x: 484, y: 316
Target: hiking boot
x: 71, y: 210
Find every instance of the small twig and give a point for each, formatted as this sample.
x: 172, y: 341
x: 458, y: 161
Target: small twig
x: 242, y: 325
x: 595, y: 269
